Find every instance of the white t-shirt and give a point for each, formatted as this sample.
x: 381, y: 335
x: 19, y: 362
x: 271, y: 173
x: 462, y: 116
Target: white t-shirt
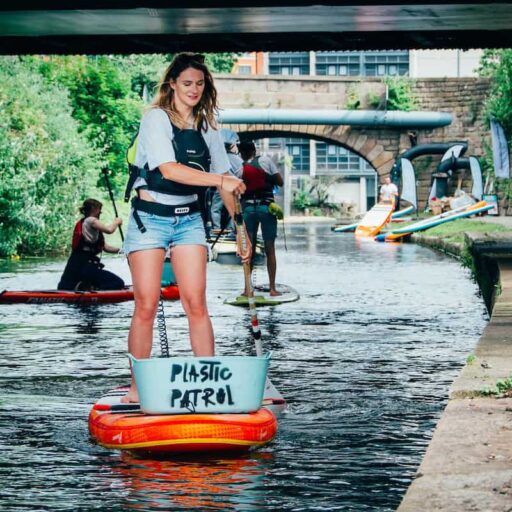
x: 388, y: 191
x: 154, y: 148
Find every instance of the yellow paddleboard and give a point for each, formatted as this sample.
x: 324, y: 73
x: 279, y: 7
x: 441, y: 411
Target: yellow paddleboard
x: 375, y: 219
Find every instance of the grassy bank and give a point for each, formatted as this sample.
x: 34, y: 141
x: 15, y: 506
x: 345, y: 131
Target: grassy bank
x: 454, y: 231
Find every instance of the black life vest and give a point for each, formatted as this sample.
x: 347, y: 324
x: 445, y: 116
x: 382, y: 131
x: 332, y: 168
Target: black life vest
x: 80, y: 244
x: 190, y: 149
x: 256, y: 182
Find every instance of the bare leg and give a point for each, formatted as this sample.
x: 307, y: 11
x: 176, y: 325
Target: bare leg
x: 146, y: 269
x: 189, y: 265
x: 270, y: 252
x: 252, y: 238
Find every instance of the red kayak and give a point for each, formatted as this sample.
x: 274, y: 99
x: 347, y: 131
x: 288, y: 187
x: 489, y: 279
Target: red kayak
x: 78, y: 297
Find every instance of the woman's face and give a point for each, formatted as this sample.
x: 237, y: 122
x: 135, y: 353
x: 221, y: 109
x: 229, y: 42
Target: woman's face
x: 188, y: 88
x: 96, y: 212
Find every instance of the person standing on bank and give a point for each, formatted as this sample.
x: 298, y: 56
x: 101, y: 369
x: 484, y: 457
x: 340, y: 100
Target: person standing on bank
x: 179, y: 152
x: 84, y: 271
x: 260, y: 175
x: 388, y: 191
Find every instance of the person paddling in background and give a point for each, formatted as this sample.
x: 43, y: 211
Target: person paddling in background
x: 84, y: 271
x: 179, y: 152
x: 219, y: 212
x: 260, y: 175
x: 388, y: 191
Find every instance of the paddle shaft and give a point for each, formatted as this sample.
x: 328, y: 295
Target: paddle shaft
x: 111, y: 194
x: 255, y: 327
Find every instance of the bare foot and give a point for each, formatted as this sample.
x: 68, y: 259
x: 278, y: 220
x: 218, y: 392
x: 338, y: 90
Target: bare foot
x: 132, y: 397
x: 275, y: 293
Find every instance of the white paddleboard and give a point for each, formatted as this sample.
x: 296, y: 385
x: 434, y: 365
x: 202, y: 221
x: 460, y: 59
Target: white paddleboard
x: 262, y: 296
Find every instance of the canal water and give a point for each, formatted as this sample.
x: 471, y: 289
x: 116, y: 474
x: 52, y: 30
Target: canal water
x: 365, y: 360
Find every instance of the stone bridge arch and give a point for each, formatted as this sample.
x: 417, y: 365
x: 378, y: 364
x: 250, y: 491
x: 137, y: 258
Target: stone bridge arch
x: 463, y: 98
x: 378, y: 147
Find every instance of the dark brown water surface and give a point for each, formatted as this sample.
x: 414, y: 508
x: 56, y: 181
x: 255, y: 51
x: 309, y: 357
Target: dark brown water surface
x: 365, y: 359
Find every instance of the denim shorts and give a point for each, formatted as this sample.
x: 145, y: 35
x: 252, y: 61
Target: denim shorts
x: 256, y: 215
x: 164, y: 232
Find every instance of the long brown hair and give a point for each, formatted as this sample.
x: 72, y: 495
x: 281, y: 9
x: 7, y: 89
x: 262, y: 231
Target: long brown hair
x: 204, y: 112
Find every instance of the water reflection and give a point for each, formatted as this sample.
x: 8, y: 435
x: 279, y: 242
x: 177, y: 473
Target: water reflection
x: 212, y: 484
x: 365, y: 359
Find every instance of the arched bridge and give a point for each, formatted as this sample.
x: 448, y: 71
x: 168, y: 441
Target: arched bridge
x: 461, y: 98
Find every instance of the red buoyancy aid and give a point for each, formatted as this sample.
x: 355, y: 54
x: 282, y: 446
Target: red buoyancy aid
x: 79, y: 243
x: 254, y: 177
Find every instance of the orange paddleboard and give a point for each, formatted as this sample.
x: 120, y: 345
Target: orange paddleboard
x: 375, y: 219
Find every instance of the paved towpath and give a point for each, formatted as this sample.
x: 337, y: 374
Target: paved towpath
x: 468, y: 464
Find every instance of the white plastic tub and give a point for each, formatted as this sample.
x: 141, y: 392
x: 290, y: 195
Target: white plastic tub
x: 184, y: 385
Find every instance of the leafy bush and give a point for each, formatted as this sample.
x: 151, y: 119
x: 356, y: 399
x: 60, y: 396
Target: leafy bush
x: 47, y: 167
x: 400, y: 94
x: 103, y: 103
x: 301, y: 200
x: 497, y: 65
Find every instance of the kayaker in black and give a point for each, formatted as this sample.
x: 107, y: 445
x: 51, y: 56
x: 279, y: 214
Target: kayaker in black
x: 84, y: 270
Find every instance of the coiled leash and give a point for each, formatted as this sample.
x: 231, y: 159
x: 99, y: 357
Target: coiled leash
x: 162, y: 328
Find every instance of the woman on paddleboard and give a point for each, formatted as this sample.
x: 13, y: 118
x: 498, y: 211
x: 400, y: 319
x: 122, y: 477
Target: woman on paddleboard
x: 260, y: 176
x: 179, y: 154
x: 84, y: 271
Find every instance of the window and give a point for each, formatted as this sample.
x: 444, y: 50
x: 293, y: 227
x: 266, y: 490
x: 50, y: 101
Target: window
x: 386, y: 63
x: 298, y: 149
x: 338, y: 63
x: 295, y: 63
x: 333, y: 159
x: 244, y: 70
x: 377, y: 63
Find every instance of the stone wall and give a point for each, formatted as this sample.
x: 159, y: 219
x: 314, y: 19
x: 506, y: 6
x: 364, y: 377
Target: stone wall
x: 461, y: 97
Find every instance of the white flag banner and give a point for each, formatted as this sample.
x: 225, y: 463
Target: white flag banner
x: 500, y: 150
x: 408, y: 182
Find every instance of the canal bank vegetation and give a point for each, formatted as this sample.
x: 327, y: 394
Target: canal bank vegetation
x: 497, y: 65
x: 455, y: 231
x: 64, y: 118
x: 462, y: 239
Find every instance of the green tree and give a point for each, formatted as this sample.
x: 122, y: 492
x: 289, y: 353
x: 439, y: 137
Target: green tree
x: 145, y: 70
x: 221, y: 62
x: 47, y: 166
x: 103, y: 103
x: 497, y: 65
x: 400, y: 94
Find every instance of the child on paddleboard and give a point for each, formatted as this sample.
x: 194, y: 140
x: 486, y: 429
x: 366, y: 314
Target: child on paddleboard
x: 179, y: 153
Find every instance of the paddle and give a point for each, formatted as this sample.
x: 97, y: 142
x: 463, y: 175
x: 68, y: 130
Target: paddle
x: 255, y: 327
x: 111, y: 194
x: 272, y: 398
